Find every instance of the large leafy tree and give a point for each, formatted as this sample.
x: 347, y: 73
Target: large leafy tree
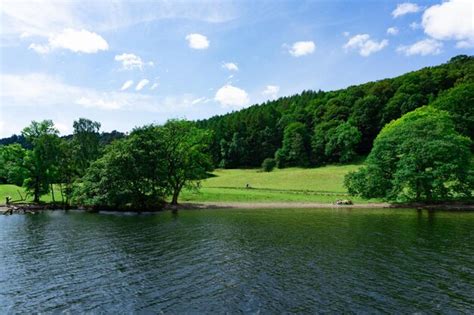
x: 41, y: 161
x: 130, y: 174
x: 419, y: 157
x: 140, y: 170
x: 186, y: 156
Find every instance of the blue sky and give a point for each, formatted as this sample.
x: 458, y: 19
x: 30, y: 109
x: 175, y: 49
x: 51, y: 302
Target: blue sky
x: 127, y: 63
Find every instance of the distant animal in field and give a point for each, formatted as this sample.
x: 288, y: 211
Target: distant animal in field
x: 343, y: 202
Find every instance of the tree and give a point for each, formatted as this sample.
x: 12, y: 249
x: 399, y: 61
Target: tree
x: 459, y: 102
x: 419, y: 157
x: 186, y: 155
x: 342, y: 142
x: 40, y: 162
x: 295, y: 149
x: 86, y: 141
x: 130, y: 175
x: 12, y: 170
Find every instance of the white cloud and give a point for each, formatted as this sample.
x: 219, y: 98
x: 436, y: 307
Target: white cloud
x: 197, y: 41
x: 154, y: 86
x: 231, y: 96
x: 365, y: 45
x: 423, y: 47
x: 392, y: 31
x: 405, y: 8
x: 271, y: 91
x: 451, y: 20
x: 131, y: 61
x: 77, y: 41
x: 415, y: 25
x: 126, y: 85
x: 142, y: 84
x: 40, y: 49
x: 43, y: 91
x: 299, y: 49
x: 230, y: 66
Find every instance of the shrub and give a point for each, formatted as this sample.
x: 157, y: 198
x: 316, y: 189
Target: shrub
x: 268, y: 165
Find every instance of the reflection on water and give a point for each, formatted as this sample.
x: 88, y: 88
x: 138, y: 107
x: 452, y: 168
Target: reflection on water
x: 238, y: 261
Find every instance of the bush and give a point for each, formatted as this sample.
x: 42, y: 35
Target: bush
x: 268, y: 165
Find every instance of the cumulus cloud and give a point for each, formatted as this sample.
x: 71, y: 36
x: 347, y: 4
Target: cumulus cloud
x: 392, y: 31
x: 131, y: 61
x: 141, y: 84
x: 231, y: 96
x: 405, y: 8
x: 81, y: 41
x: 154, y: 86
x: 364, y: 45
x: 423, y: 47
x: 302, y: 48
x: 230, y: 66
x: 451, y: 20
x: 126, y: 85
x: 271, y: 91
x: 197, y: 41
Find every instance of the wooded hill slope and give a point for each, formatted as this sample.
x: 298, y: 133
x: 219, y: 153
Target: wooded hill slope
x: 314, y: 128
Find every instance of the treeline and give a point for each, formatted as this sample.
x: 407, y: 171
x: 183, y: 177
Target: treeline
x: 104, y: 139
x: 138, y: 171
x: 315, y: 128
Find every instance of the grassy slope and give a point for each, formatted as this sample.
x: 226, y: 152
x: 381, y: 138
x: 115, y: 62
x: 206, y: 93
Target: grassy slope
x: 13, y: 192
x: 323, y: 185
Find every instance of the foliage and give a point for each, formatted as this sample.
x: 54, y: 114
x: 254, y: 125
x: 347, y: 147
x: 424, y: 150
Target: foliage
x: 459, y: 101
x: 295, y: 147
x: 260, y: 129
x: 419, y: 157
x: 139, y: 171
x: 12, y: 170
x: 268, y: 164
x: 342, y: 142
x: 185, y: 155
x: 130, y: 174
x: 40, y: 162
x: 86, y: 143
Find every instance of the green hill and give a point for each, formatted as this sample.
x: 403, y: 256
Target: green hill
x: 316, y: 127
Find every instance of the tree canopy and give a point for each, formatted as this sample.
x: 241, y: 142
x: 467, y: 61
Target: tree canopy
x: 419, y: 157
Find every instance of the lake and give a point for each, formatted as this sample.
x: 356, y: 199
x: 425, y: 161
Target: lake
x: 238, y: 261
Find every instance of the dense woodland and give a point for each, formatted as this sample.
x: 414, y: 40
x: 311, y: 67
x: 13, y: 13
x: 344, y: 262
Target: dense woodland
x: 416, y: 129
x: 314, y: 128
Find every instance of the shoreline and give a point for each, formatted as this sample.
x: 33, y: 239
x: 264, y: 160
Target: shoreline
x: 314, y: 205
x: 30, y: 208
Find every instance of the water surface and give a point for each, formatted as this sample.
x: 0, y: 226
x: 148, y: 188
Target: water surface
x: 250, y: 261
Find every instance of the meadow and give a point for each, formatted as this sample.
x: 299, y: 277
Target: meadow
x: 322, y: 184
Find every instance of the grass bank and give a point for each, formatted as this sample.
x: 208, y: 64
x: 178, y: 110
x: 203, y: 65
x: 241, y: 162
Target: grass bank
x: 314, y: 185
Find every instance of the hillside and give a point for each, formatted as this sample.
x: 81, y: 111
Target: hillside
x: 314, y: 128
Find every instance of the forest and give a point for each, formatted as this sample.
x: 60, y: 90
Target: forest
x: 316, y: 127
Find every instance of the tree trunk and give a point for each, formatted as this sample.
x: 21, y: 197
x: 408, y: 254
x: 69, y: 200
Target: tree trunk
x: 174, y: 200
x: 52, y: 193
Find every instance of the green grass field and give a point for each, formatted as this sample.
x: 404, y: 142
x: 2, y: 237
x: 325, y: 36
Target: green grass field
x: 323, y: 185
